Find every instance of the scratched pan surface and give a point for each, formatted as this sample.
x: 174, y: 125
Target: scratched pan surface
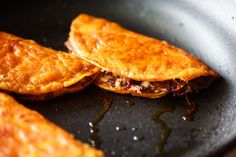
x: 206, y: 29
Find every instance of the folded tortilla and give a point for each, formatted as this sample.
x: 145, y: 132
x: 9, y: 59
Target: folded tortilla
x: 26, y: 133
x: 37, y: 72
x: 134, y: 63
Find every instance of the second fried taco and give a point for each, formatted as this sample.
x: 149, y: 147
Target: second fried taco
x: 36, y: 72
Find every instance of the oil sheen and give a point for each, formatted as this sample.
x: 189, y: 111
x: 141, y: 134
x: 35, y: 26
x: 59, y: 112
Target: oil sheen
x: 165, y: 129
x: 94, y: 137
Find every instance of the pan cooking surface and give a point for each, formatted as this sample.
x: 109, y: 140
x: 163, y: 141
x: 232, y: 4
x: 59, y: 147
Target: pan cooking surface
x: 129, y: 127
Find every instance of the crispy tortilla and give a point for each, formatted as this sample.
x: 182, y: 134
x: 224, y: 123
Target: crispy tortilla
x: 24, y: 132
x: 130, y: 55
x: 38, y: 72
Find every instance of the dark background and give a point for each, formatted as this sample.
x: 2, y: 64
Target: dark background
x: 206, y: 29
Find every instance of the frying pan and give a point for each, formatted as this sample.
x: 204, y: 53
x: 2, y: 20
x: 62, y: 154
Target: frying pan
x: 206, y: 29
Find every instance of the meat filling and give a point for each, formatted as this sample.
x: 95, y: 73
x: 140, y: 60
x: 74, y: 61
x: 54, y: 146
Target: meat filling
x: 176, y: 86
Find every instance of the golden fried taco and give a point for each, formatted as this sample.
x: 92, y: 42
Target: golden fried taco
x: 134, y: 63
x: 24, y: 132
x: 37, y: 72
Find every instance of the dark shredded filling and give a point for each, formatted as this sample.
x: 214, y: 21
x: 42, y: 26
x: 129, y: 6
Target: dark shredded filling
x: 176, y: 86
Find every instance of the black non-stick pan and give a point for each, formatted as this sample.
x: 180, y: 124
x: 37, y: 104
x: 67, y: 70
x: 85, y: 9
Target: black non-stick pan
x: 131, y: 127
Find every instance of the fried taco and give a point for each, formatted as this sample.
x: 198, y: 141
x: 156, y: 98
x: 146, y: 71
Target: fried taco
x: 134, y: 63
x: 24, y: 132
x: 37, y: 72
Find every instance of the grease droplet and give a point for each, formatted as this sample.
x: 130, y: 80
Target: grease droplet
x: 90, y: 124
x: 113, y: 153
x: 120, y: 127
x: 134, y: 129
x: 129, y: 103
x: 137, y: 137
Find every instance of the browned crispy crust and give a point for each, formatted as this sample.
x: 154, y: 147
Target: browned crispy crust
x: 71, y: 89
x: 30, y: 69
x: 24, y: 132
x: 131, y: 55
